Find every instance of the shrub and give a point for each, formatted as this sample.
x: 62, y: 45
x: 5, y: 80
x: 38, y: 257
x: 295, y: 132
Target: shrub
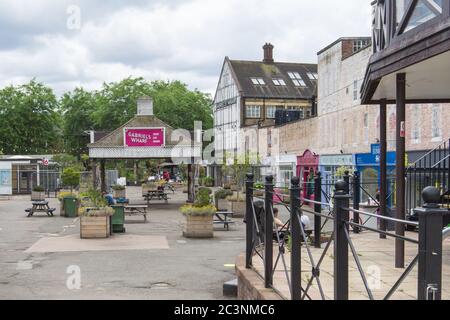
x: 203, y: 198
x: 118, y: 187
x: 190, y: 210
x: 70, y: 177
x: 38, y: 189
x: 208, y: 181
x: 259, y: 186
x: 63, y: 195
x: 222, y: 194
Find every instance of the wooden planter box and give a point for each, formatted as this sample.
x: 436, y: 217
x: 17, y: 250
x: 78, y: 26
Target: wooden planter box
x: 94, y: 227
x: 37, y: 196
x: 199, y: 227
x: 238, y: 208
x: 120, y: 194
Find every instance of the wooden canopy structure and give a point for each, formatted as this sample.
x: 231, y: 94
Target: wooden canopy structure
x: 146, y: 137
x: 410, y: 64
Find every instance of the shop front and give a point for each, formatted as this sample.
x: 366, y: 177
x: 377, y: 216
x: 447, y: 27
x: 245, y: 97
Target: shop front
x: 330, y: 166
x: 285, y: 170
x: 307, y: 166
x: 368, y: 165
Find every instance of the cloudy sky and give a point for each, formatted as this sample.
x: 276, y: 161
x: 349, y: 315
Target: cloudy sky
x: 70, y: 43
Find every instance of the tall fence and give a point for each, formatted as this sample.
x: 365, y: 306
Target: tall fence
x: 269, y: 244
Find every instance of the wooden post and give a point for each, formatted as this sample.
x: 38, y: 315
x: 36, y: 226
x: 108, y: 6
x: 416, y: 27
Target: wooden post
x: 94, y: 174
x: 400, y: 165
x: 102, y: 176
x: 383, y: 165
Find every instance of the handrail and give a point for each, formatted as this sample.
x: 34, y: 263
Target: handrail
x: 411, y: 223
x: 427, y: 154
x: 446, y: 233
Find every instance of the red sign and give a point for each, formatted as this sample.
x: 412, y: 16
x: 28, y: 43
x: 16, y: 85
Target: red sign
x: 45, y: 162
x: 402, y: 129
x: 151, y: 137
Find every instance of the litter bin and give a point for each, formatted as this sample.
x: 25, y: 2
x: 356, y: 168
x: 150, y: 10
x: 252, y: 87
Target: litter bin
x: 70, y: 204
x: 118, y: 219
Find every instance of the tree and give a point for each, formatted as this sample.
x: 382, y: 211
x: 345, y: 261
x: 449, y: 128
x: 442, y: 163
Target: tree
x: 29, y: 119
x: 70, y: 177
x: 174, y: 104
x: 77, y: 109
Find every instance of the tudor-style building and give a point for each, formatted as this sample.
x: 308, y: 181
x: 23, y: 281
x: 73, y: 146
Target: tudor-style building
x: 250, y: 93
x: 410, y: 65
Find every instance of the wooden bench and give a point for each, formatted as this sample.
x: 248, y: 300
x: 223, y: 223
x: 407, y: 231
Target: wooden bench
x: 132, y: 210
x: 223, y: 218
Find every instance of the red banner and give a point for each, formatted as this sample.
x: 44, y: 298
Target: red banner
x: 151, y: 137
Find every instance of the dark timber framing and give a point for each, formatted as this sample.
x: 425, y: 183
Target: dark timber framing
x: 395, y: 50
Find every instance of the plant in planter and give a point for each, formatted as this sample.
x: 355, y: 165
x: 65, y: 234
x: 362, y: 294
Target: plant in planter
x: 119, y: 191
x: 199, y: 216
x: 220, y: 197
x: 258, y: 189
x: 38, y: 194
x: 237, y: 205
x: 208, y: 182
x: 95, y: 216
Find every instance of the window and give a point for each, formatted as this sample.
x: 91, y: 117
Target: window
x: 359, y: 44
x: 297, y: 79
x: 258, y: 81
x: 271, y: 110
x: 424, y: 11
x: 312, y: 76
x: 355, y: 90
x: 279, y: 82
x: 253, y: 112
x: 302, y: 114
x: 436, y: 122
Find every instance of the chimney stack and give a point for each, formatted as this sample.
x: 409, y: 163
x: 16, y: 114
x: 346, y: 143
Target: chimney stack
x: 268, y: 53
x: 145, y: 106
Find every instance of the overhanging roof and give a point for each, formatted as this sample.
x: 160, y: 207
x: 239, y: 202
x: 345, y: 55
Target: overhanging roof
x: 177, y: 146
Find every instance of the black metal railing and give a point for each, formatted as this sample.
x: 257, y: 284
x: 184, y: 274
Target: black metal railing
x: 433, y: 169
x: 262, y: 237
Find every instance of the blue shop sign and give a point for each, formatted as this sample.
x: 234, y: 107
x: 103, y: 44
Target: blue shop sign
x: 373, y: 158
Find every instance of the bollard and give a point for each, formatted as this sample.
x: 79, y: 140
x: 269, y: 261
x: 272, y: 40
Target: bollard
x: 249, y: 220
x: 268, y: 231
x: 430, y: 245
x: 341, y: 216
x: 317, y: 209
x: 296, y: 237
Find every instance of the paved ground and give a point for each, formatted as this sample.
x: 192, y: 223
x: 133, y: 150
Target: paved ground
x: 152, y: 261
x: 377, y: 259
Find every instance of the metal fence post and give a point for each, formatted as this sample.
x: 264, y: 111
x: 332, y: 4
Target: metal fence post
x: 268, y: 231
x: 317, y: 209
x: 356, y: 199
x: 347, y: 180
x: 341, y: 216
x: 296, y: 280
x: 249, y: 220
x: 430, y: 245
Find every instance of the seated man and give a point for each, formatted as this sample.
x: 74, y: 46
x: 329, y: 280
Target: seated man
x: 283, y: 229
x: 109, y: 199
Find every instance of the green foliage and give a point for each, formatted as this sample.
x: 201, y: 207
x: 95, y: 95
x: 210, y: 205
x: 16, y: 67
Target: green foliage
x: 340, y: 172
x: 259, y: 186
x: 222, y: 194
x: 208, y: 181
x: 203, y: 198
x: 38, y: 189
x: 93, y: 198
x: 190, y: 210
x: 29, y: 119
x: 78, y: 107
x: 66, y: 160
x: 118, y: 187
x: 70, y: 177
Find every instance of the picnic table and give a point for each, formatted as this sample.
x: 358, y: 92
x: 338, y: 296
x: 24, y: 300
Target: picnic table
x: 156, y: 194
x: 131, y: 210
x: 224, y: 217
x: 40, y: 206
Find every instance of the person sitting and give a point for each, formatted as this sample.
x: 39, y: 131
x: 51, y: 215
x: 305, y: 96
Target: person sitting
x: 283, y: 228
x: 109, y: 198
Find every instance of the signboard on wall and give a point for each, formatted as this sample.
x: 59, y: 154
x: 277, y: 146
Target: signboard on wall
x: 5, y: 178
x: 144, y: 137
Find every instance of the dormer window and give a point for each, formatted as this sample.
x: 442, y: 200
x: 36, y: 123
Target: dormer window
x: 279, y: 82
x: 297, y: 79
x: 312, y: 76
x: 258, y: 81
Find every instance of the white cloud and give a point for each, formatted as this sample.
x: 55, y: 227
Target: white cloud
x: 184, y: 40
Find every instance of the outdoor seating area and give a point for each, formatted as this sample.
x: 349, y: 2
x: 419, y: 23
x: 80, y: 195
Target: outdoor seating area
x: 40, y: 207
